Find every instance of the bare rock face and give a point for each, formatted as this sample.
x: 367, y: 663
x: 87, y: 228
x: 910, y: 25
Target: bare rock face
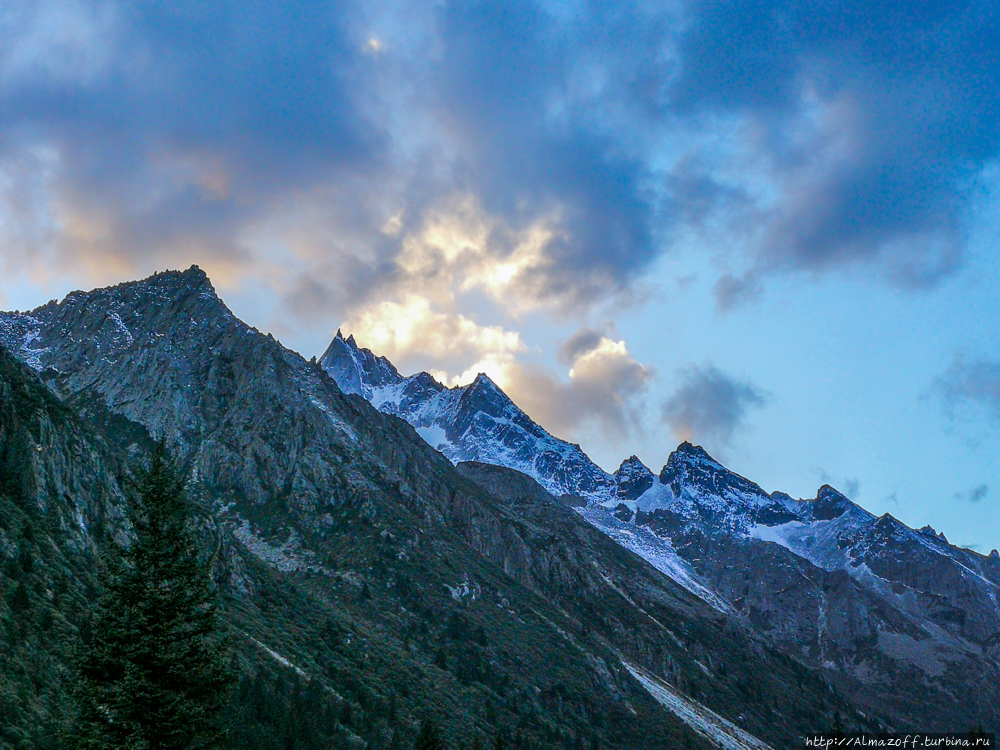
x: 349, y: 547
x: 878, y: 607
x: 476, y: 422
x: 874, y: 603
x: 632, y: 479
x: 768, y: 610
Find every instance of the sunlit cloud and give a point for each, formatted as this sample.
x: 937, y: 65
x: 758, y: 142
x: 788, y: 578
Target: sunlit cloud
x: 460, y: 248
x: 602, y: 390
x: 602, y: 387
x: 413, y: 333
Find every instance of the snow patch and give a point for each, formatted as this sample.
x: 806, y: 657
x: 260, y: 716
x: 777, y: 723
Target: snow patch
x: 704, y: 721
x: 655, y: 550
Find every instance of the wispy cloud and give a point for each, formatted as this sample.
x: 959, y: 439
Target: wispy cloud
x: 971, y: 384
x: 710, y: 405
x: 973, y: 495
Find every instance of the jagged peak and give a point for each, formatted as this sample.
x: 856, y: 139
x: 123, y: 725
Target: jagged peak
x: 632, y: 464
x: 830, y: 503
x: 632, y: 479
x: 829, y: 492
x: 349, y: 340
x: 196, y: 273
x: 688, y: 453
x: 485, y: 385
x: 484, y: 380
x: 346, y: 343
x: 887, y: 519
x: 355, y: 368
x: 193, y: 278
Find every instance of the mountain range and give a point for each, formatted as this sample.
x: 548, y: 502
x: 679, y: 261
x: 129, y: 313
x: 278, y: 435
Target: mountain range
x: 873, y: 603
x: 389, y: 550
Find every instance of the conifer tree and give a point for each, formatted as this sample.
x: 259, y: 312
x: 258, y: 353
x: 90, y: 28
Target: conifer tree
x: 429, y: 737
x: 152, y: 672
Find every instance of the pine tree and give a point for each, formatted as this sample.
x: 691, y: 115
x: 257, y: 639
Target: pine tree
x: 152, y: 672
x: 429, y: 737
x: 838, y: 725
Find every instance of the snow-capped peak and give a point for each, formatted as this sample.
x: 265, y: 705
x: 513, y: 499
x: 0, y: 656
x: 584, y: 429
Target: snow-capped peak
x: 357, y: 370
x: 632, y: 479
x: 475, y: 422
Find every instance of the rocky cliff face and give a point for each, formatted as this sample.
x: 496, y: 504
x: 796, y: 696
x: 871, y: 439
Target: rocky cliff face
x: 361, y: 556
x: 356, y: 558
x: 894, y: 616
x: 876, y: 606
x: 477, y: 422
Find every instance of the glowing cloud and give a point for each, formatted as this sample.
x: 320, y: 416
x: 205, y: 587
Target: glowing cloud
x: 412, y: 333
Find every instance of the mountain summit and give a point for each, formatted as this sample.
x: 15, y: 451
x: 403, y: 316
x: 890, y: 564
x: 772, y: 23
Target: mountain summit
x: 867, y: 599
x: 369, y: 582
x: 475, y: 422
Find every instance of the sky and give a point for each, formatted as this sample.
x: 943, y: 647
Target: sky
x: 768, y: 227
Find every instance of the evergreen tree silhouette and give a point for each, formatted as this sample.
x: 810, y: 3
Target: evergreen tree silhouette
x: 838, y: 725
x: 429, y: 737
x: 151, y: 669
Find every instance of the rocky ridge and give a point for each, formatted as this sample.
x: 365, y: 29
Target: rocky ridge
x: 354, y: 555
x: 476, y: 422
x: 873, y: 603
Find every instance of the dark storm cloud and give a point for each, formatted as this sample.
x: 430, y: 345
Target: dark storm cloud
x: 188, y: 118
x: 907, y: 96
x: 808, y: 136
x: 709, y: 405
x: 528, y: 144
x: 974, y: 384
x: 583, y: 341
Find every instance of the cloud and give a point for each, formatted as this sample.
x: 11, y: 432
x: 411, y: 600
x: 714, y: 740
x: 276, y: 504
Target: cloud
x: 353, y: 148
x: 871, y: 144
x: 709, y: 405
x: 970, y: 385
x: 852, y: 488
x: 602, y: 387
x: 579, y: 344
x: 168, y: 129
x: 974, y: 495
x: 731, y: 292
x: 453, y: 347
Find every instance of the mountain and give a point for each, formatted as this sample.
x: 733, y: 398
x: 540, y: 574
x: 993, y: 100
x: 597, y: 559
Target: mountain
x: 877, y: 605
x: 898, y: 619
x: 476, y: 422
x: 367, y: 582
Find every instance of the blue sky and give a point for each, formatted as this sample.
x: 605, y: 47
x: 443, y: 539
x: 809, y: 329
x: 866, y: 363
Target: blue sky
x: 769, y: 227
